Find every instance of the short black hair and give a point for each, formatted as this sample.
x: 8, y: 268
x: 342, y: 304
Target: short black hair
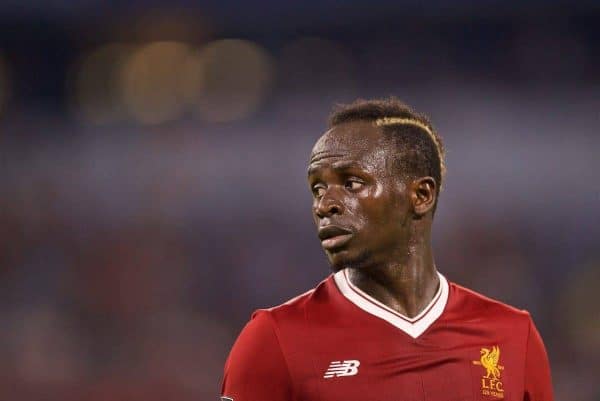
x: 420, y: 148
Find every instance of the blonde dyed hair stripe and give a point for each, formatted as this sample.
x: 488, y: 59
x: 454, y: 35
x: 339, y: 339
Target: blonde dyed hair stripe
x: 385, y: 121
x: 409, y: 121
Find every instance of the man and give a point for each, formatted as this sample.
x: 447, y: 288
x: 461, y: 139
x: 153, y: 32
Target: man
x: 386, y: 325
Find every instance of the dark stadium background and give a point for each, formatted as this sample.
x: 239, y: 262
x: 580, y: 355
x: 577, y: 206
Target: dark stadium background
x: 153, y: 174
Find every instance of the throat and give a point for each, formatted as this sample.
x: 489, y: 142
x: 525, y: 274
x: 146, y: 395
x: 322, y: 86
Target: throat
x: 408, y: 291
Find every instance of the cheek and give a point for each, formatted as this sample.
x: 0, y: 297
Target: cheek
x: 384, y: 213
x: 400, y: 210
x: 355, y: 207
x: 379, y: 205
x: 369, y: 199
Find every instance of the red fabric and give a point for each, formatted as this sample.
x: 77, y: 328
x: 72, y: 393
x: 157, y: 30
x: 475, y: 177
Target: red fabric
x: 256, y: 369
x: 538, y: 386
x: 284, y: 352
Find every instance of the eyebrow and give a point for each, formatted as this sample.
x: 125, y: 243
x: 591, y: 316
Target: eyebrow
x: 336, y: 166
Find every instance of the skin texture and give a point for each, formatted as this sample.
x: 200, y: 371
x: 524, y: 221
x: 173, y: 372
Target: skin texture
x: 388, y: 213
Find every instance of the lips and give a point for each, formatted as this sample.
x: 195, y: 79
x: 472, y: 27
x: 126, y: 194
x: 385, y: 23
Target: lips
x: 334, y: 237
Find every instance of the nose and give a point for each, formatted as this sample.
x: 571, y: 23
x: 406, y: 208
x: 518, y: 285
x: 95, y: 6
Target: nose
x: 328, y: 205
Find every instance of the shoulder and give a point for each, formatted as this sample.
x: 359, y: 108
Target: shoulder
x: 475, y: 305
x: 294, y: 310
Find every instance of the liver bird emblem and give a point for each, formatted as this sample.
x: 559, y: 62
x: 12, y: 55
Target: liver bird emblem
x: 489, y: 360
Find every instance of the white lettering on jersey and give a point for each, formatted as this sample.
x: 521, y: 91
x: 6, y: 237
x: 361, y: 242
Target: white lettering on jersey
x: 346, y: 368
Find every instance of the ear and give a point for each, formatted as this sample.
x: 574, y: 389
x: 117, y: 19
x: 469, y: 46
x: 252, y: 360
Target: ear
x: 423, y: 195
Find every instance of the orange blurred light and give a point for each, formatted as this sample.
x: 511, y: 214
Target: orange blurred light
x: 236, y: 77
x: 153, y: 82
x: 94, y: 83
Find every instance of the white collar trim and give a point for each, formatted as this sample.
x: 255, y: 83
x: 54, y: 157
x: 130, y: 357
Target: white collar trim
x: 414, y: 326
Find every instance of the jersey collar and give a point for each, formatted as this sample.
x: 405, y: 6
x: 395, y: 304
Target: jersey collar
x: 414, y: 326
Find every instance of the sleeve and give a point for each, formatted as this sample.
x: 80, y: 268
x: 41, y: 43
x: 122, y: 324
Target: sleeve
x: 538, y: 382
x: 256, y: 369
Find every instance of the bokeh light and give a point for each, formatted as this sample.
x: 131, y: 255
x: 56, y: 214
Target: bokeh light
x: 191, y: 77
x: 237, y: 76
x: 95, y: 96
x: 152, y: 80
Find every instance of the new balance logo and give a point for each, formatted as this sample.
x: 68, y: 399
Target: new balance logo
x: 346, y: 368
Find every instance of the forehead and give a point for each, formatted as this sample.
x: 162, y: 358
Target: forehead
x: 361, y: 141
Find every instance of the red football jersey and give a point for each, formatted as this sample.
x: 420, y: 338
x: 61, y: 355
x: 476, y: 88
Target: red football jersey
x: 336, y: 343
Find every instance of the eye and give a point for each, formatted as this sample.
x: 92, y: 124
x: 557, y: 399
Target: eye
x: 318, y: 191
x: 354, y: 184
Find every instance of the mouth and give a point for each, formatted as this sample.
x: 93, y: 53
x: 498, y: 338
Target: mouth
x: 333, y: 237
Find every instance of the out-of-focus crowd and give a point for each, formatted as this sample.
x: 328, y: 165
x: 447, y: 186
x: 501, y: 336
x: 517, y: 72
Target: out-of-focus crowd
x: 144, y: 217
x: 129, y: 266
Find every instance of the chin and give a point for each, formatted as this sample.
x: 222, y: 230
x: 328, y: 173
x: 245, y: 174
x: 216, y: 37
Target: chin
x: 342, y: 259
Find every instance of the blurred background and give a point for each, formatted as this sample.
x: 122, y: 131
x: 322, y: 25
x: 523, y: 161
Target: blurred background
x: 154, y: 157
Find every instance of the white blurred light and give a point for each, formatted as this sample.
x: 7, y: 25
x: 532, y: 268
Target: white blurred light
x: 156, y: 80
x: 236, y: 77
x: 94, y: 84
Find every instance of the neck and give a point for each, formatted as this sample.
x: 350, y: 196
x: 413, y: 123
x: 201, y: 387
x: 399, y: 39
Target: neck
x: 404, y: 283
